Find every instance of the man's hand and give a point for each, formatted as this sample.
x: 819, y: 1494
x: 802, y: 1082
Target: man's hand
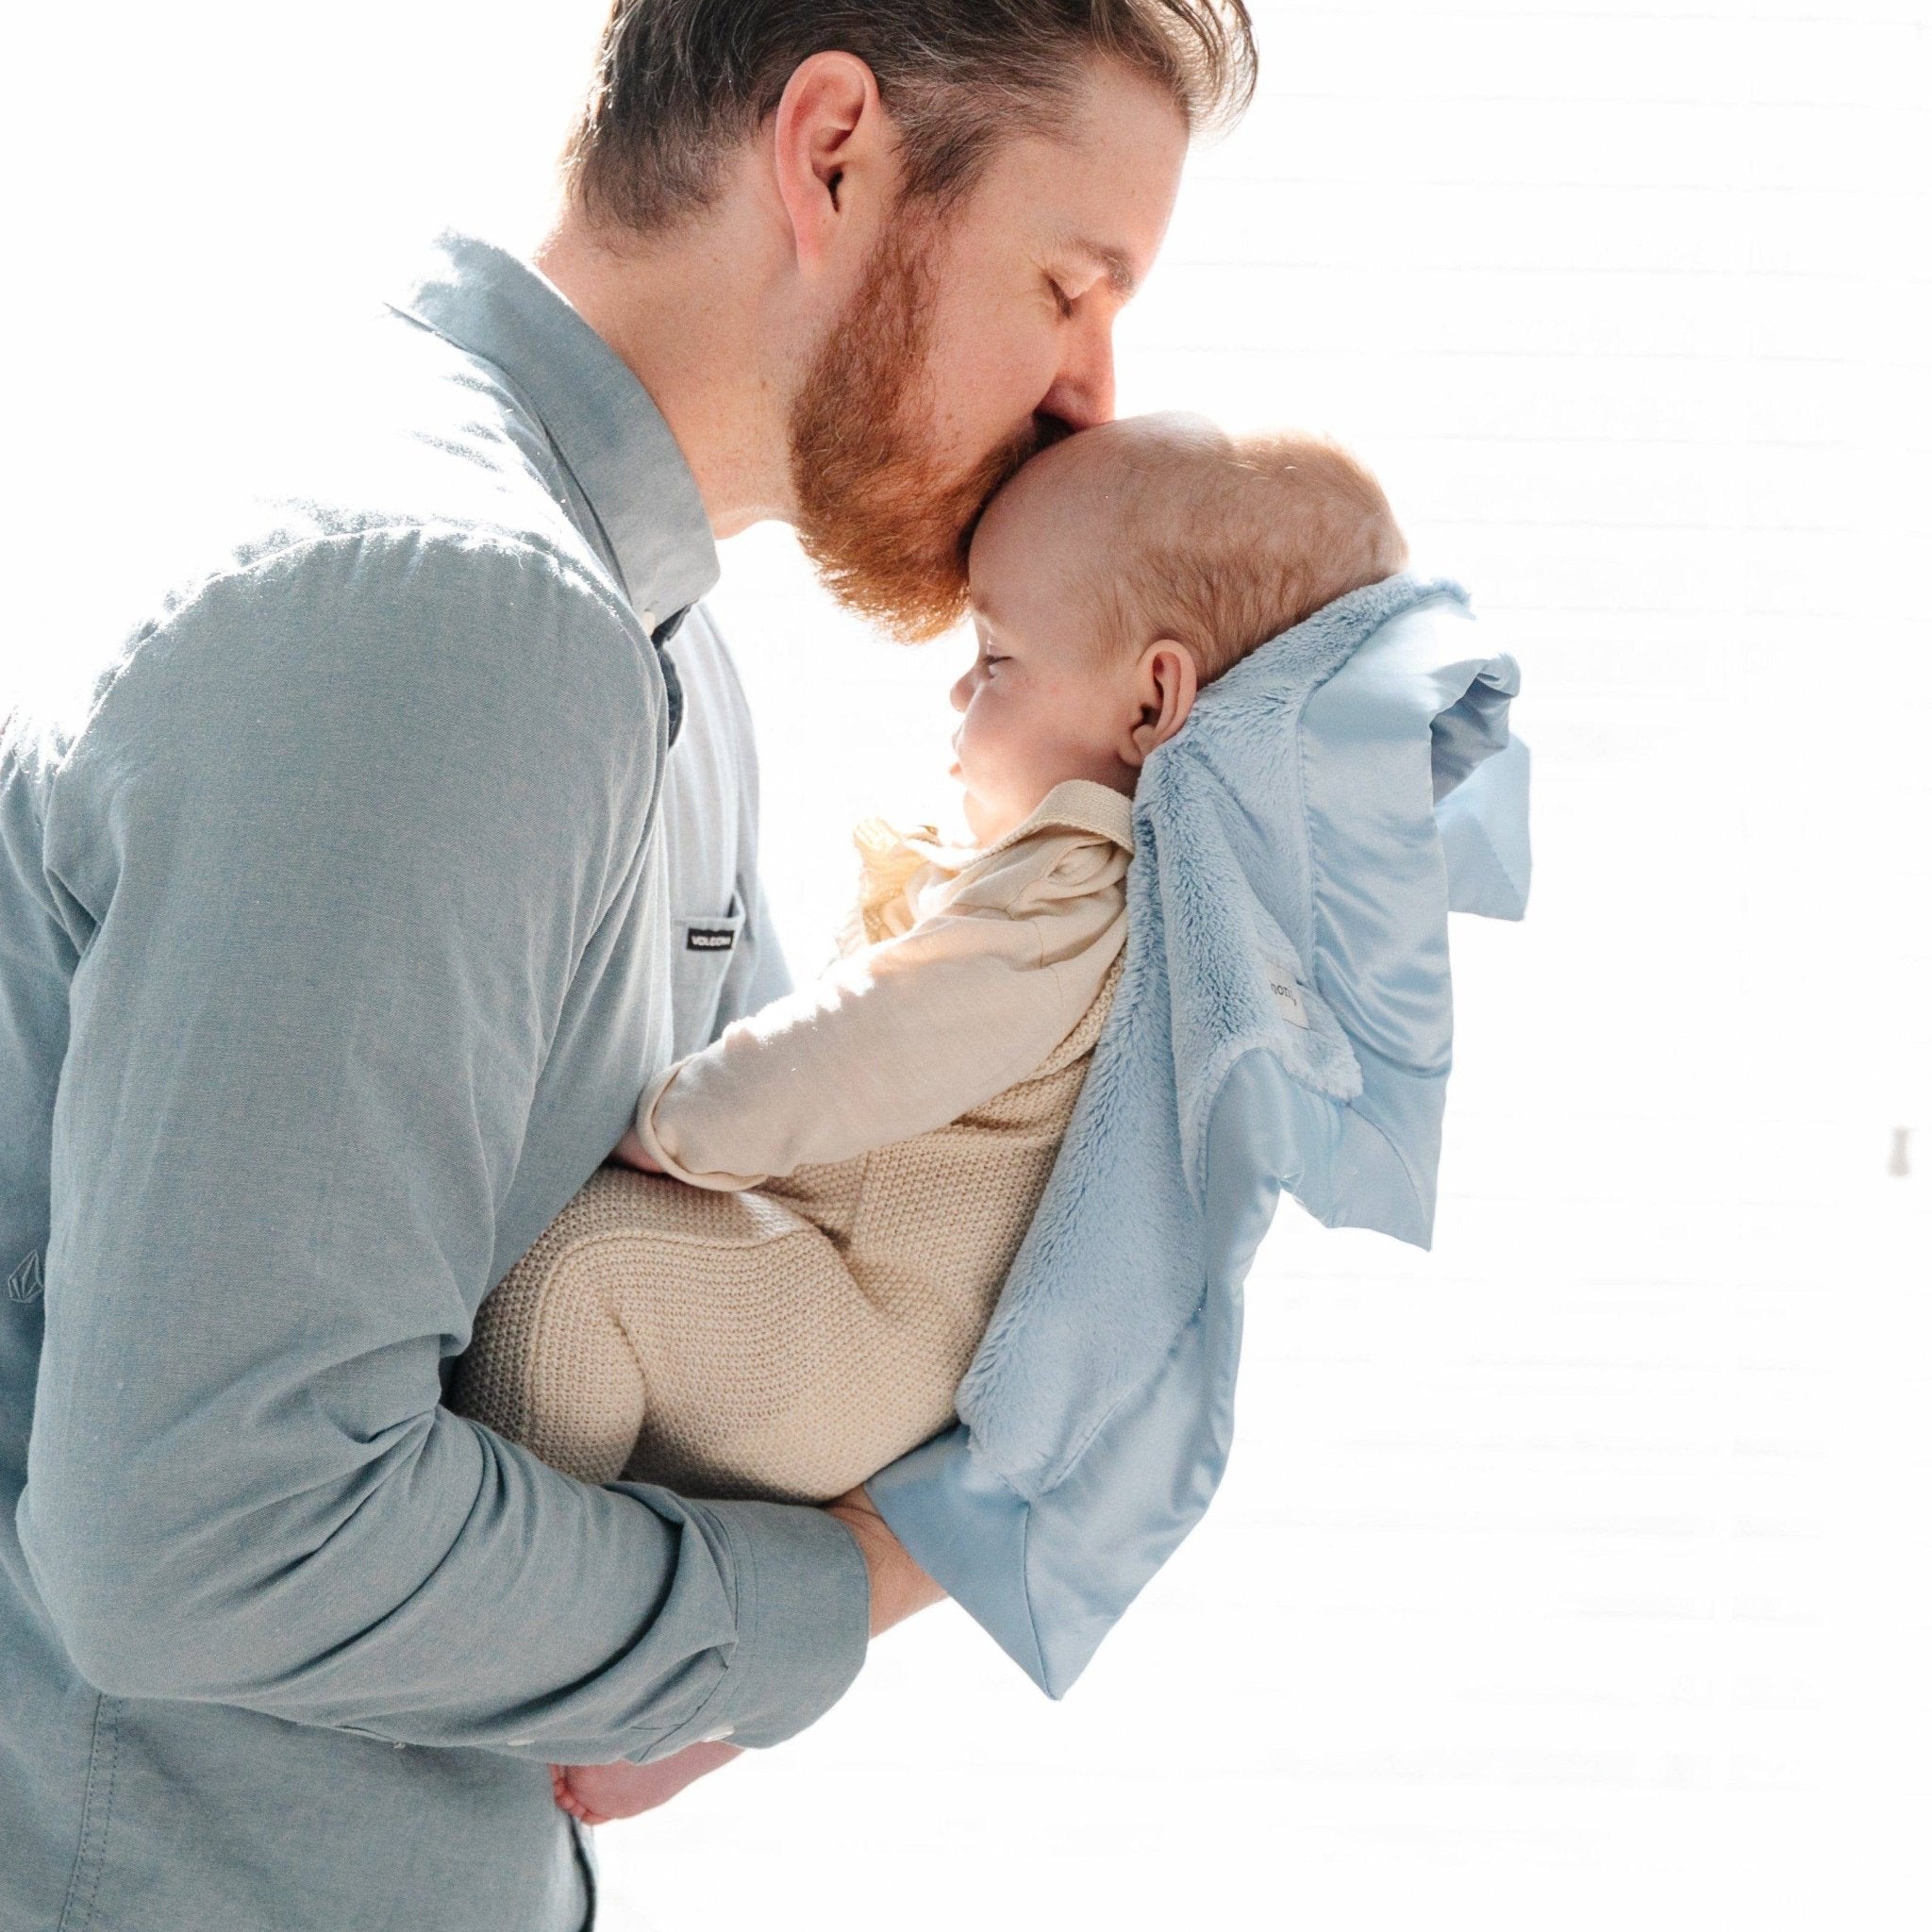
x: 630, y: 1151
x: 899, y: 1586
x: 597, y: 1793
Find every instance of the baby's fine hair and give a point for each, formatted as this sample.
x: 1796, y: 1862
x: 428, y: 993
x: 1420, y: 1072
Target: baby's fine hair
x: 1225, y: 542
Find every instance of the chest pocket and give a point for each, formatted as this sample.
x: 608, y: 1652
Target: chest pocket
x: 702, y: 945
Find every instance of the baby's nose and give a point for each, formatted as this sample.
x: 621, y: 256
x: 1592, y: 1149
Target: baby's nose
x: 961, y: 692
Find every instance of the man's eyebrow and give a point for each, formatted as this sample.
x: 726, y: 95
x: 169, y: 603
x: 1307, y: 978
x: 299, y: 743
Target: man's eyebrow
x: 1113, y: 262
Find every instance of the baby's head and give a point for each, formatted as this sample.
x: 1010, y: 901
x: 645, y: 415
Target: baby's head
x: 1125, y: 567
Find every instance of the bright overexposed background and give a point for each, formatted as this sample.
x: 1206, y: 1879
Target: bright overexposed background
x: 1576, y: 1572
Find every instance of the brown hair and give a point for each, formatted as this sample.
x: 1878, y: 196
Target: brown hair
x: 679, y: 83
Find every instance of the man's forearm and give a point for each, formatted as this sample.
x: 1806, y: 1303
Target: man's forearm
x: 899, y: 1586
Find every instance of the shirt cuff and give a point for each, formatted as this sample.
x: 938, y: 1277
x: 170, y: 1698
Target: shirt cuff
x: 804, y: 1613
x: 717, y: 1181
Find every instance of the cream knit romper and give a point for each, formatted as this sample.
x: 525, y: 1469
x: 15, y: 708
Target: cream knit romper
x: 859, y: 1163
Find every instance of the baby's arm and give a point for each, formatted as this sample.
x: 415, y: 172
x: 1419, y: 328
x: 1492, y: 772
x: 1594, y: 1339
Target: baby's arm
x: 892, y: 1040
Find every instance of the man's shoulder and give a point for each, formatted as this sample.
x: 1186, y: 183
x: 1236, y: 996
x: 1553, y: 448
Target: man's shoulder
x: 463, y: 643
x: 411, y: 579
x: 410, y: 448
x: 373, y: 607
x: 409, y: 500
x: 399, y: 525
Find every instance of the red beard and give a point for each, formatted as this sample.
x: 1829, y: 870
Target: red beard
x: 886, y: 527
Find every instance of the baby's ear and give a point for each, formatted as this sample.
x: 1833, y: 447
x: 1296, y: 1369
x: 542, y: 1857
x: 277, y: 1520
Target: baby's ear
x: 1164, y: 687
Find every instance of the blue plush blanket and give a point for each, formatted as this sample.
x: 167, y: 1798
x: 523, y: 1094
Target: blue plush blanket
x: 1282, y: 1021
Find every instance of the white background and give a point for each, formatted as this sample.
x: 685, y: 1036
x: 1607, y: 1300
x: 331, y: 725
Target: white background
x: 1574, y: 1573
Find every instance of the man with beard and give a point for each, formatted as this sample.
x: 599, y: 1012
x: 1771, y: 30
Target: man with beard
x: 333, y: 956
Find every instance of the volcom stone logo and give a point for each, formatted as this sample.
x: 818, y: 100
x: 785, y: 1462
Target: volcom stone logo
x: 25, y: 1283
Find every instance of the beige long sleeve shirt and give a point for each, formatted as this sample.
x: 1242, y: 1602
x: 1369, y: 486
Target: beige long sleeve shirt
x: 964, y: 969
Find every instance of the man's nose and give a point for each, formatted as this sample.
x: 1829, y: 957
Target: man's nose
x: 1082, y: 395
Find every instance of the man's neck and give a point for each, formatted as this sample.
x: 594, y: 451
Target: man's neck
x: 681, y: 310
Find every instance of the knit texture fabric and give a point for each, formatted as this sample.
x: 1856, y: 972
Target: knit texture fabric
x: 783, y: 1342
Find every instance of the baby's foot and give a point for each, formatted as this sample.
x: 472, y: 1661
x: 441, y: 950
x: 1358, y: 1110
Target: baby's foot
x: 597, y: 1793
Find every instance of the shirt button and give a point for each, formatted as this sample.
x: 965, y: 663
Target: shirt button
x: 648, y: 619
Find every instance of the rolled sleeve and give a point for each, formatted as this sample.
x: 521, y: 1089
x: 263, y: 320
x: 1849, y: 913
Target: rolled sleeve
x: 802, y: 1611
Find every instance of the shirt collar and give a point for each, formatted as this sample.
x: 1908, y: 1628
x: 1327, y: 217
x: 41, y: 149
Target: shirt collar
x: 600, y: 418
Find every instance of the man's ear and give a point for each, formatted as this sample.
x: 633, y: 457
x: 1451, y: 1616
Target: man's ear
x: 1164, y: 687
x: 830, y: 152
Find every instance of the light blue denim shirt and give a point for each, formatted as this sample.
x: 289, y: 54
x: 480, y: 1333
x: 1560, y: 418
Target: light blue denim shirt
x: 333, y: 956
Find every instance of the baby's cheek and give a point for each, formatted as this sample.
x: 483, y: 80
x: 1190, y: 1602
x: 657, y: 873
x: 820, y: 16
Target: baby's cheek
x: 983, y: 743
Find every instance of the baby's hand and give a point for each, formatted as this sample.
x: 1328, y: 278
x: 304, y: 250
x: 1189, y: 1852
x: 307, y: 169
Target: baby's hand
x: 630, y: 1150
x: 597, y: 1793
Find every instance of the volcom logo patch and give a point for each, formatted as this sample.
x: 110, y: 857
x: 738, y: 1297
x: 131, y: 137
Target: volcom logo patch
x: 25, y: 1283
x: 708, y: 939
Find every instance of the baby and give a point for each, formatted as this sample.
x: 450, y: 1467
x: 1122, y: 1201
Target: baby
x: 833, y: 1191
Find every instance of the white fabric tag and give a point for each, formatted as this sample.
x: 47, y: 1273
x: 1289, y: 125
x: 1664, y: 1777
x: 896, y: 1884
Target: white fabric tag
x: 1284, y: 986
x: 1288, y: 998
x: 1281, y: 968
